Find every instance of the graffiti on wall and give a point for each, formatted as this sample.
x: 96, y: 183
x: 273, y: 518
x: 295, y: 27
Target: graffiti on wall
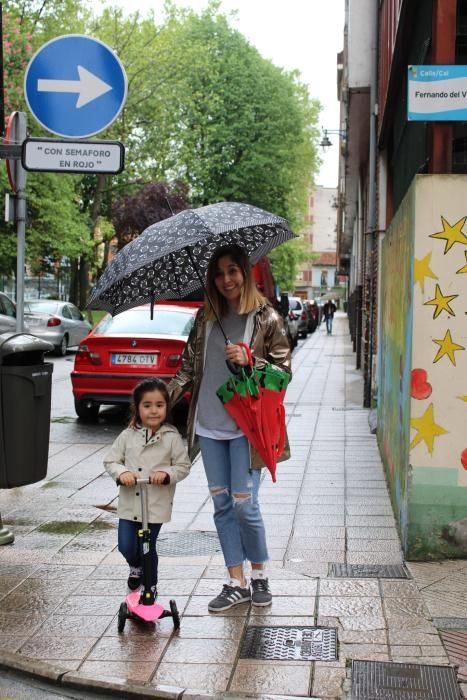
x: 439, y: 357
x: 395, y: 355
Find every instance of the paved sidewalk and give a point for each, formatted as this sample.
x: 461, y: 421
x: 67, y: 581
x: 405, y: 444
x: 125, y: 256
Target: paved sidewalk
x: 62, y: 581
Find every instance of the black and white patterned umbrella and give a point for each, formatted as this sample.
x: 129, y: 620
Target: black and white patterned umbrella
x: 160, y: 264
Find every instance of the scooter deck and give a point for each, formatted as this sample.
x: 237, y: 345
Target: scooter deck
x: 149, y: 613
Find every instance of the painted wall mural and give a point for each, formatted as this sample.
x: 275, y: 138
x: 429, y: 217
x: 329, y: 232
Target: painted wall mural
x: 436, y: 421
x: 395, y: 335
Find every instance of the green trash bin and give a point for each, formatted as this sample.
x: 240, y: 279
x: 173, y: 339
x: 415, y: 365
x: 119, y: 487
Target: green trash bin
x: 25, y: 398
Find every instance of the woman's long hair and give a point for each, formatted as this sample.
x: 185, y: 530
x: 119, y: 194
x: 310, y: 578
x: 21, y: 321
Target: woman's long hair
x: 250, y: 298
x: 138, y: 393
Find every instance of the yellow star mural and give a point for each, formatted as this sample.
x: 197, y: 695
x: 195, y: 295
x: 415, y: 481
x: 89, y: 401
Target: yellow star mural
x: 451, y: 234
x: 426, y: 429
x: 464, y: 267
x: 422, y: 270
x: 447, y: 347
x: 462, y: 398
x: 441, y: 302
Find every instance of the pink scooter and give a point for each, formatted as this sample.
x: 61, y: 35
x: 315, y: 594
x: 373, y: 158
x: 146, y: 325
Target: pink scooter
x: 141, y: 605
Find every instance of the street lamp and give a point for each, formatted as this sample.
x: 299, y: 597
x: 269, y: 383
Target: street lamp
x: 325, y: 140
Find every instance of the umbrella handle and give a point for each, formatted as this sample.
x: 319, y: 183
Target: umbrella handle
x: 248, y: 353
x: 237, y: 369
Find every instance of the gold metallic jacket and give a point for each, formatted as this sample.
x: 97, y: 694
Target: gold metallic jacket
x: 264, y: 333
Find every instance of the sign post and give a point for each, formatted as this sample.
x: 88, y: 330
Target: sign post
x: 15, y: 135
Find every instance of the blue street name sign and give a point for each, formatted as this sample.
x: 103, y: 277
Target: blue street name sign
x: 437, y: 93
x: 75, y: 86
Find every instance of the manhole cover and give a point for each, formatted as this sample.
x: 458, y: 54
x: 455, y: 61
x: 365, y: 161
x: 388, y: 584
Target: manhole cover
x: 368, y: 571
x: 290, y: 643
x: 455, y: 643
x: 380, y: 680
x: 196, y: 543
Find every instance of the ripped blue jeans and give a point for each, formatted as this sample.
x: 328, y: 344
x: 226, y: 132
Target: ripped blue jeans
x: 234, y: 491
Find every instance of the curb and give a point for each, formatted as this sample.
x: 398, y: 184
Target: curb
x: 136, y: 691
x: 74, y: 679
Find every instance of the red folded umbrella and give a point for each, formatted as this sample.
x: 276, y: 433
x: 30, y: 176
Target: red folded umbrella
x: 243, y: 405
x: 272, y: 384
x: 254, y: 399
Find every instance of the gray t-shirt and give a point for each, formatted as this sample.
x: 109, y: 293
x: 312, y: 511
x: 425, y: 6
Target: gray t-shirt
x: 212, y: 418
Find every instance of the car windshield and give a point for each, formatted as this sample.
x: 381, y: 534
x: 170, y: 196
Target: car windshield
x: 139, y: 321
x: 47, y: 307
x: 295, y: 304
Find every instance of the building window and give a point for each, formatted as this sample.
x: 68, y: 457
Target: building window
x: 324, y: 278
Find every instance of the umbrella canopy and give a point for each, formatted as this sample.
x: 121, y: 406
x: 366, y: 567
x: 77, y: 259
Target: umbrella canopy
x: 169, y: 259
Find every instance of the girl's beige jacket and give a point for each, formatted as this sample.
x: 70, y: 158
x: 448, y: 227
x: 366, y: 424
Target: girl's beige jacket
x: 136, y: 451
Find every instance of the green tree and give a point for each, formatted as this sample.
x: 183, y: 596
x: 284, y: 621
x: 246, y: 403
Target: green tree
x: 203, y: 108
x: 285, y: 262
x: 229, y: 122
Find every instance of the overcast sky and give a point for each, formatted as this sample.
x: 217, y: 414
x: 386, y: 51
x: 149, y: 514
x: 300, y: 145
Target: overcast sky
x: 294, y: 34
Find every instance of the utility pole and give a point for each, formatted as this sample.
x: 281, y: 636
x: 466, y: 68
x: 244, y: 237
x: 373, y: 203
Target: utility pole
x: 20, y: 177
x: 6, y: 536
x: 2, y: 95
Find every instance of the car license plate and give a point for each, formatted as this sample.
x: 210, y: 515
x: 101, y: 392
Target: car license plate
x: 133, y: 358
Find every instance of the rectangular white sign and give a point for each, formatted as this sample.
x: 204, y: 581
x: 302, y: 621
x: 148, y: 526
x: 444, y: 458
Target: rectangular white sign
x: 54, y: 155
x: 437, y: 93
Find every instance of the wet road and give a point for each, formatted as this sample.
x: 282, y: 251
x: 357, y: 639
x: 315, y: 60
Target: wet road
x: 65, y: 426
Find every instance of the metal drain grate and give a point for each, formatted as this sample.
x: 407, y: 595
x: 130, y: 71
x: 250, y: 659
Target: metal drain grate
x: 455, y: 643
x: 391, y: 681
x: 368, y: 571
x: 196, y: 543
x: 290, y: 643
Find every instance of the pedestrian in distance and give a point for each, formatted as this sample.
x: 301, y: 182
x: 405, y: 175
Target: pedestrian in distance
x: 149, y: 448
x: 329, y: 309
x: 233, y: 468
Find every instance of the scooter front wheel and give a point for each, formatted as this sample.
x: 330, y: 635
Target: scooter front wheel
x: 175, y: 615
x: 122, y: 616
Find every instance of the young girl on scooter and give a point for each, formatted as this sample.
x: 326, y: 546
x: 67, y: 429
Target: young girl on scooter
x: 150, y: 449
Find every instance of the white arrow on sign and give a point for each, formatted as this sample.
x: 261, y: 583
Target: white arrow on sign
x: 89, y: 86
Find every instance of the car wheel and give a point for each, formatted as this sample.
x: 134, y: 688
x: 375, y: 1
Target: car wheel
x: 87, y: 411
x: 63, y: 347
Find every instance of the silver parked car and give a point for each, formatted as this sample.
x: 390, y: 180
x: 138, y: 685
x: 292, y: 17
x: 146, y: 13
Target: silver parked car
x: 297, y: 307
x: 7, y: 314
x: 59, y: 322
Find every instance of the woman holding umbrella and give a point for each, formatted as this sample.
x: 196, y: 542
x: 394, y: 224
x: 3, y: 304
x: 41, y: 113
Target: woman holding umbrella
x: 234, y: 308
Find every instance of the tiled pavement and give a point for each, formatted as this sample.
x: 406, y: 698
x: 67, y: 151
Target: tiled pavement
x: 62, y: 580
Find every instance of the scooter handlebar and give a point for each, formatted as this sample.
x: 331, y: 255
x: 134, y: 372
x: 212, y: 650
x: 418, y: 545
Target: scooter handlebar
x: 146, y: 481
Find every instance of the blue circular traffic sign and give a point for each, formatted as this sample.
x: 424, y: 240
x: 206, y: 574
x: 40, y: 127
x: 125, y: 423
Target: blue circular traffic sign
x: 75, y: 86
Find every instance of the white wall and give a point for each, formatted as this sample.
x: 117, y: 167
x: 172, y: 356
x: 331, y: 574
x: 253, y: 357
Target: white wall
x: 324, y: 223
x: 359, y: 42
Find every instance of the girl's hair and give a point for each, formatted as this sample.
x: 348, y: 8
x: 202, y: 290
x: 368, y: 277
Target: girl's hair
x: 138, y: 392
x: 250, y: 298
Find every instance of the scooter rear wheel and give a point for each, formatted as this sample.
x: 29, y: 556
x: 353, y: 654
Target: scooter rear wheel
x: 122, y: 616
x: 175, y: 615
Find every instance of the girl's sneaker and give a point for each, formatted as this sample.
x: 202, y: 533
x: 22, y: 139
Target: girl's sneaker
x: 261, y: 594
x: 228, y: 597
x: 134, y: 579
